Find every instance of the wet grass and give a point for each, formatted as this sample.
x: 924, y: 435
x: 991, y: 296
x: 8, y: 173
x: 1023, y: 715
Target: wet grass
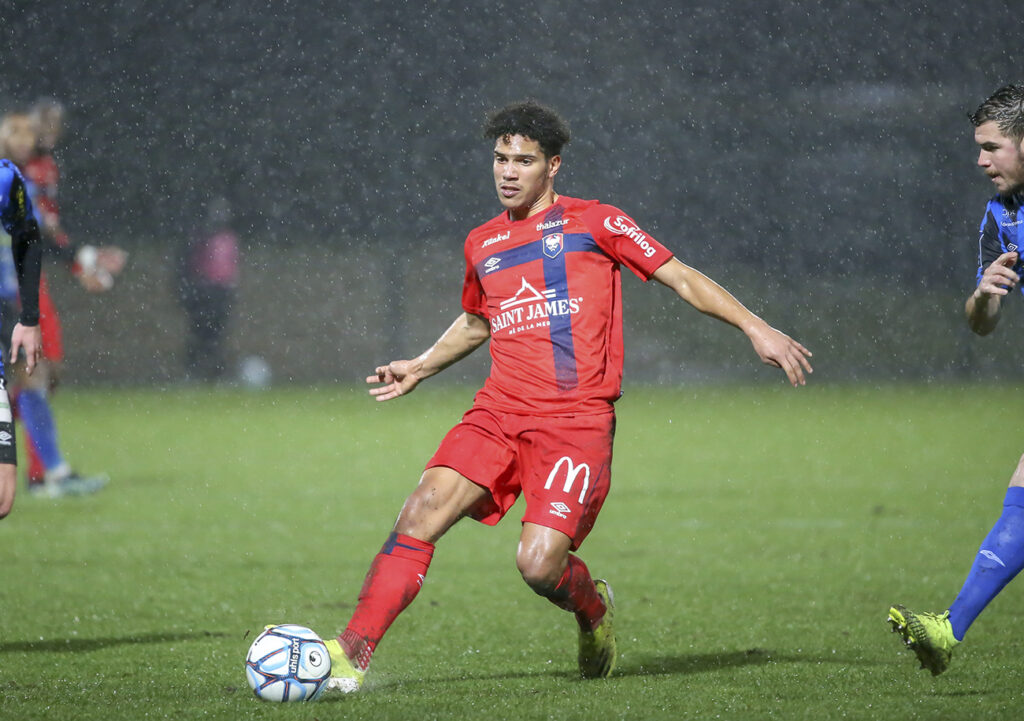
x: 754, y: 536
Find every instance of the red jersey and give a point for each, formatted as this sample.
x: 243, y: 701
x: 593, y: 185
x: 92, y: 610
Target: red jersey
x: 549, y: 286
x: 42, y: 171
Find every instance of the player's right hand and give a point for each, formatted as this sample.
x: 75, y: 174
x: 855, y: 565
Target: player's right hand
x: 999, y: 278
x: 28, y: 338
x: 397, y: 377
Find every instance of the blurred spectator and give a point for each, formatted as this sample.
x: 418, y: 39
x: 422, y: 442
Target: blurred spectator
x: 207, y: 279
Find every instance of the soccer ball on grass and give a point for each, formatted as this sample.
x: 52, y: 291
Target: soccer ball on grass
x: 287, y: 663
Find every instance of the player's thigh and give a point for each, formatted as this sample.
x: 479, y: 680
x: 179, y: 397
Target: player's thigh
x: 567, y: 473
x: 8, y: 485
x: 480, y: 449
x: 8, y: 452
x: 442, y: 497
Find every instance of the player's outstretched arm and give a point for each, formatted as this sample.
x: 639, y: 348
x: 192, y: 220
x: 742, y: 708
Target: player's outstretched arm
x: 985, y: 303
x: 772, y: 346
x: 399, y: 378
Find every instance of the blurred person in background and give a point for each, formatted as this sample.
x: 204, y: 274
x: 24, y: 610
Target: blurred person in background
x: 999, y: 134
x: 208, y: 270
x: 22, y: 249
x: 49, y: 472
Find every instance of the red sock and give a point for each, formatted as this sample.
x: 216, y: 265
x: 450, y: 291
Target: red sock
x: 394, y: 579
x: 575, y: 592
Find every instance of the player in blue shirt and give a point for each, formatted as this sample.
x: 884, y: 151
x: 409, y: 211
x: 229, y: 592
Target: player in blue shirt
x: 18, y: 220
x: 999, y: 133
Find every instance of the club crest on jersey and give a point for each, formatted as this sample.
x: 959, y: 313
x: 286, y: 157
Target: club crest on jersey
x: 553, y: 244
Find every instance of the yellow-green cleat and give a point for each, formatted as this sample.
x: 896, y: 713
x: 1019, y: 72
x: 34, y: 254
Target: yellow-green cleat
x: 597, y: 647
x: 345, y: 678
x: 930, y: 635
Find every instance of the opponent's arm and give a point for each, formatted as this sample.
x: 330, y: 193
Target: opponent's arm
x: 26, y: 247
x: 984, y: 305
x: 773, y: 347
x: 465, y: 335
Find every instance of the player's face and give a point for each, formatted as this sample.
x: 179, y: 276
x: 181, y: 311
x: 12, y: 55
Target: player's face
x: 49, y: 127
x: 1000, y: 158
x: 523, y: 175
x: 17, y: 138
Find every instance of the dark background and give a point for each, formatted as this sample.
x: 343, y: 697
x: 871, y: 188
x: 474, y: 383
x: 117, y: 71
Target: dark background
x: 817, y: 161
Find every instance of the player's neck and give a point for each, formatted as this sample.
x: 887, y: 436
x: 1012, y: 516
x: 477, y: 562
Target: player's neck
x: 545, y: 201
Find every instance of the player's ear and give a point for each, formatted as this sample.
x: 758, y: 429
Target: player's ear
x: 554, y: 163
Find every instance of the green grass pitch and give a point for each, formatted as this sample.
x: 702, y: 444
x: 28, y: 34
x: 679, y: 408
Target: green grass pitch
x: 754, y: 538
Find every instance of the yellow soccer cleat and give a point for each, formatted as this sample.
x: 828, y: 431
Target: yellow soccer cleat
x: 345, y: 678
x: 597, y: 647
x: 930, y: 635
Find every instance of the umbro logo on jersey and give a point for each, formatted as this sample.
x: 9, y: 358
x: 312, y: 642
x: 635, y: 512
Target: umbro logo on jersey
x: 492, y: 264
x: 5, y: 438
x: 559, y: 509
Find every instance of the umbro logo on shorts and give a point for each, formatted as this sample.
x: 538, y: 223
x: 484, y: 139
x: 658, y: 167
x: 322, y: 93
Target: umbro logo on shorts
x: 559, y: 509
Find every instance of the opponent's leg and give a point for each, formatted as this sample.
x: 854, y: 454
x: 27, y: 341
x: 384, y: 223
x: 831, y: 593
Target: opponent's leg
x: 8, y: 452
x: 1000, y: 558
x: 8, y: 485
x: 36, y: 415
x: 397, y: 572
x: 546, y: 565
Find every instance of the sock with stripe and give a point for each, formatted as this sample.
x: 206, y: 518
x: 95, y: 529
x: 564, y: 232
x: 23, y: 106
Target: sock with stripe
x: 395, y: 577
x: 575, y: 592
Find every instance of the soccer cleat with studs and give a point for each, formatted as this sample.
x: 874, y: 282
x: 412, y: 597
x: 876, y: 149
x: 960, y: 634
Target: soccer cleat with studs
x: 345, y: 677
x: 597, y: 647
x: 928, y: 635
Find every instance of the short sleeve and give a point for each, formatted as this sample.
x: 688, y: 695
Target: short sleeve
x: 621, y: 238
x: 993, y: 240
x: 473, y: 298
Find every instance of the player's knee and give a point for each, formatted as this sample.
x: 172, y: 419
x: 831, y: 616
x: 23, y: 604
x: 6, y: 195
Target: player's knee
x: 541, y: 572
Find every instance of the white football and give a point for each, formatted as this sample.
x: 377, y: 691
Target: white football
x: 287, y: 663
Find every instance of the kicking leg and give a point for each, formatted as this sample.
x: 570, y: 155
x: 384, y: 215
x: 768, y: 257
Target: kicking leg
x: 397, y: 572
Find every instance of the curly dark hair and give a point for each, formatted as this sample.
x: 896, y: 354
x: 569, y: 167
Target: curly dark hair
x: 1006, y: 108
x: 531, y: 120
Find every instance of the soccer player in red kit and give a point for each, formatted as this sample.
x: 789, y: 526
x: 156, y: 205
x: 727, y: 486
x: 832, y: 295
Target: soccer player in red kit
x: 49, y: 474
x: 542, y: 284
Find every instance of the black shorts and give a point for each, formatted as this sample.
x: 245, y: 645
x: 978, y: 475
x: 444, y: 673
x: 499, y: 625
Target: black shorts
x: 8, y: 318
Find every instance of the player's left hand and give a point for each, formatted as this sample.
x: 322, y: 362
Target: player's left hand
x: 111, y: 258
x: 778, y: 349
x: 30, y: 339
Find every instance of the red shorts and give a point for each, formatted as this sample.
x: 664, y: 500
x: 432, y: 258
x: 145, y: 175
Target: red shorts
x: 561, y: 465
x: 49, y: 324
